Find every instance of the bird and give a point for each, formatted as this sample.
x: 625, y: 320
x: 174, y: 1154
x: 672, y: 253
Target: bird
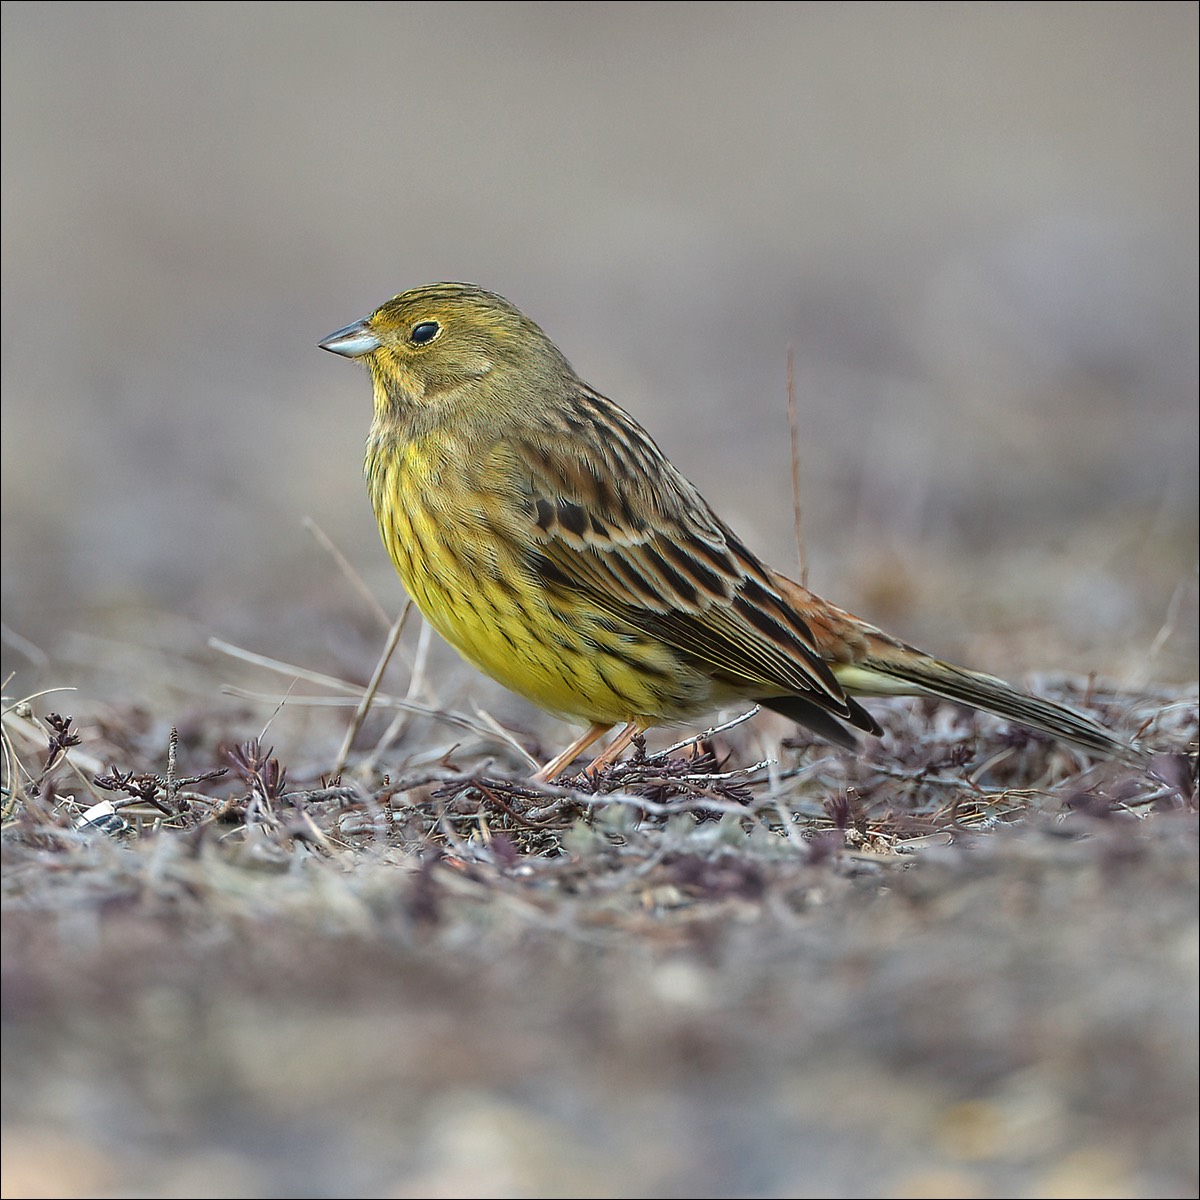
x: 542, y: 532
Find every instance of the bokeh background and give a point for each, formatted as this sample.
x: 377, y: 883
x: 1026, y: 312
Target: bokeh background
x: 975, y: 226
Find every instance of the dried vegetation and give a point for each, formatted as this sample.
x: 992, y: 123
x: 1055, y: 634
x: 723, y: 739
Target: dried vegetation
x: 743, y: 964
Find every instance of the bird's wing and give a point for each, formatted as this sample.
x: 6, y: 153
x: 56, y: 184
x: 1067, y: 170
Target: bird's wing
x: 611, y: 519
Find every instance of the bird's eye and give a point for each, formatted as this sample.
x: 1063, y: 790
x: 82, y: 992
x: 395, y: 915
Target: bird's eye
x: 425, y: 332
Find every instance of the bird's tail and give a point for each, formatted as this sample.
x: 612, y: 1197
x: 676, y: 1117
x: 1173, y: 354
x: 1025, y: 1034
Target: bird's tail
x: 918, y: 674
x: 868, y: 662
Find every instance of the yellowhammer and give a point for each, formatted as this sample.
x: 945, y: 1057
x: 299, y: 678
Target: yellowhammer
x: 545, y: 536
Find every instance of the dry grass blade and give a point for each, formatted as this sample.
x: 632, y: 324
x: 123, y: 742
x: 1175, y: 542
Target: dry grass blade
x: 368, y: 696
x: 355, y: 579
x: 282, y: 668
x: 794, y: 437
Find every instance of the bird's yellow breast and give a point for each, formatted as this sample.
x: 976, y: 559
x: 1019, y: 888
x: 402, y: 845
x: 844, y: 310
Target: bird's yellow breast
x: 459, y: 536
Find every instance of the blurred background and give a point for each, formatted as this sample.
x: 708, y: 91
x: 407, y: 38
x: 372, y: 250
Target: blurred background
x: 975, y: 226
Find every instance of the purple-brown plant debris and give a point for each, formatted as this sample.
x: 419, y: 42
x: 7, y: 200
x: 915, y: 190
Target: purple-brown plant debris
x: 259, y: 769
x: 960, y: 915
x: 937, y: 770
x: 62, y: 738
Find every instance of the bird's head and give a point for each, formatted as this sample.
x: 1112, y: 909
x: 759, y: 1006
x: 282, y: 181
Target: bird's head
x: 450, y: 343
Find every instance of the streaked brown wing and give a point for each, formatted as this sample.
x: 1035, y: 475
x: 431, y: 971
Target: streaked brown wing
x: 613, y: 520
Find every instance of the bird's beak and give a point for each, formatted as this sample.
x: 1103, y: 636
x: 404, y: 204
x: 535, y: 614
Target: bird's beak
x: 352, y: 342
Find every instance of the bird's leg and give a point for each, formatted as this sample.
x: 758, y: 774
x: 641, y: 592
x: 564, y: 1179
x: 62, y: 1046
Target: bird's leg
x: 615, y: 748
x: 555, y: 766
